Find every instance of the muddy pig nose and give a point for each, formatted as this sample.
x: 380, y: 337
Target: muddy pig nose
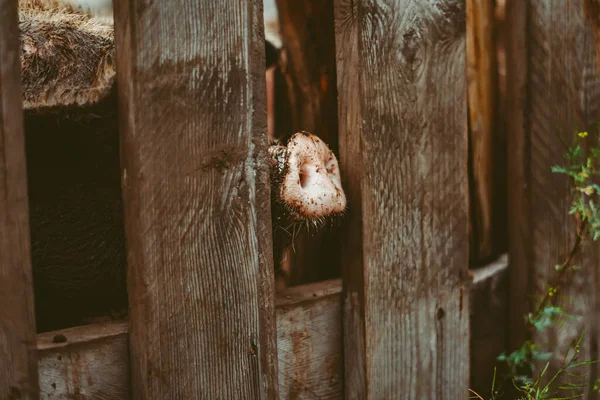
x: 312, y: 185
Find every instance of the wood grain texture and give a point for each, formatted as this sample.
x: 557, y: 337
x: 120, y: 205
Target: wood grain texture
x: 486, y: 149
x: 307, y: 100
x: 309, y: 341
x: 191, y: 83
x: 404, y: 142
x: 18, y: 365
x: 87, y: 362
x: 564, y: 97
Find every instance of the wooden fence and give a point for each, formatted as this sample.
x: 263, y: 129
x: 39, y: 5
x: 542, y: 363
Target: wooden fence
x: 441, y: 168
x: 553, y: 82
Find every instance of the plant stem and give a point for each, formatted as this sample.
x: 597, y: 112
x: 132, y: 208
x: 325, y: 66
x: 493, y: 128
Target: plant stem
x: 579, y: 237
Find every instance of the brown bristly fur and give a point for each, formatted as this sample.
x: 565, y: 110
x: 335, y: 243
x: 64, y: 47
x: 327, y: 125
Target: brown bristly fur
x: 67, y: 55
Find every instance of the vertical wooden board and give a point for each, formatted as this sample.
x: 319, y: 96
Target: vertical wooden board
x: 195, y: 182
x: 18, y: 364
x: 486, y: 150
x: 564, y: 97
x: 407, y: 322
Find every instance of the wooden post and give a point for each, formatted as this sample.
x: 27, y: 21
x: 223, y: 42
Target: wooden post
x: 403, y: 149
x: 553, y: 92
x: 191, y: 81
x: 18, y: 362
x: 487, y: 152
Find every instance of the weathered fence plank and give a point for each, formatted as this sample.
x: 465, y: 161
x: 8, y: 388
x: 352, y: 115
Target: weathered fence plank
x: 559, y: 97
x: 403, y: 150
x: 486, y: 149
x: 564, y: 96
x: 195, y: 182
x: 558, y: 93
x: 18, y: 364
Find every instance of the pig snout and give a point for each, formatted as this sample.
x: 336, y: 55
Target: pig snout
x: 310, y: 184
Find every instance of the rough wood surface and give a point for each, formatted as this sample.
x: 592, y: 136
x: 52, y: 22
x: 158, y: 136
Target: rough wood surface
x: 486, y: 150
x: 18, y: 366
x: 309, y: 341
x: 564, y: 97
x: 195, y: 182
x: 88, y: 362
x: 403, y: 148
x: 307, y: 100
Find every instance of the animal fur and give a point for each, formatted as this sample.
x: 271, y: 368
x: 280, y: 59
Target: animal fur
x: 67, y: 56
x: 67, y: 52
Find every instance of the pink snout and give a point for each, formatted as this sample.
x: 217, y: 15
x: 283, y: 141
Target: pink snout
x: 312, y: 185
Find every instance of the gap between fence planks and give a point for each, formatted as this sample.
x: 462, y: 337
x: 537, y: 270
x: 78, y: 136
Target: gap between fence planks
x: 196, y: 197
x: 18, y: 364
x: 519, y: 224
x: 306, y: 99
x: 403, y: 147
x: 489, y: 317
x: 93, y: 361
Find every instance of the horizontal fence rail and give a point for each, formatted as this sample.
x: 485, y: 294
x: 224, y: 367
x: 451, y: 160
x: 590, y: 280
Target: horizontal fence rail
x: 91, y: 361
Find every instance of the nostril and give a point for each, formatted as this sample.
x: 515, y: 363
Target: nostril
x: 304, y: 176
